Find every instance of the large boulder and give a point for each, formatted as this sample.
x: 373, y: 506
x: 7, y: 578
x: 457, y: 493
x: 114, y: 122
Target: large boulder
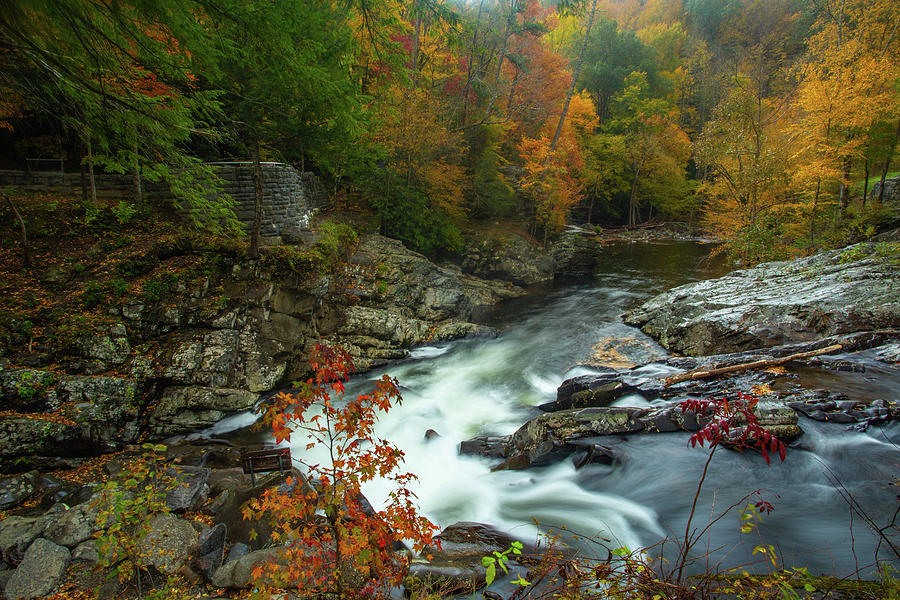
x: 834, y: 292
x: 40, y: 573
x: 169, y: 544
x: 511, y: 258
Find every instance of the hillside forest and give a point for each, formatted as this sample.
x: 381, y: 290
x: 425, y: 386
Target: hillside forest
x: 764, y: 122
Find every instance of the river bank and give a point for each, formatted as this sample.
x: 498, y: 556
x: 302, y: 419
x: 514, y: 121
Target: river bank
x: 460, y: 388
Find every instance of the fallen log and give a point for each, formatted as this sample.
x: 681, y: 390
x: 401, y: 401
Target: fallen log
x: 705, y: 372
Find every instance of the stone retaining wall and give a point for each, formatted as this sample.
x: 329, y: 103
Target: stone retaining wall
x: 289, y: 196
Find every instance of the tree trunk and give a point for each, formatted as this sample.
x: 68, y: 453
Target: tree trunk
x: 258, y: 201
x: 812, y: 217
x: 865, y: 182
x: 137, y: 190
x: 26, y: 251
x: 575, y: 73
x: 84, y: 178
x: 887, y: 163
x: 844, y: 197
x: 91, y: 174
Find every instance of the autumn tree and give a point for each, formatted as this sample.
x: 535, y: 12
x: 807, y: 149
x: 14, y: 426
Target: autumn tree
x: 349, y: 550
x: 747, y: 158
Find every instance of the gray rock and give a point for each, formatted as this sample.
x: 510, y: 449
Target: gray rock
x: 575, y: 255
x: 238, y: 550
x: 832, y: 293
x: 15, y: 490
x: 239, y: 573
x: 16, y: 534
x: 74, y: 525
x: 86, y: 552
x: 169, y: 544
x: 40, y: 573
x: 190, y: 488
x: 511, y: 258
x: 211, y: 551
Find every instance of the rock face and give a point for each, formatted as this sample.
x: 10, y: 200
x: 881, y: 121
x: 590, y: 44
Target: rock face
x: 512, y: 259
x: 402, y: 299
x: 575, y: 255
x: 835, y: 292
x: 213, y: 347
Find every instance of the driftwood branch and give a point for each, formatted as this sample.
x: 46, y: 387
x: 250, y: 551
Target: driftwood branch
x: 705, y: 372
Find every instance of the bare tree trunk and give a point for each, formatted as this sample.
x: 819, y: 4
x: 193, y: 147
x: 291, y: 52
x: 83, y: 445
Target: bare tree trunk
x: 136, y: 187
x: 258, y: 200
x: 26, y: 251
x: 844, y: 197
x: 812, y: 217
x: 91, y: 174
x: 865, y: 182
x: 887, y: 163
x: 84, y: 178
x: 576, y: 72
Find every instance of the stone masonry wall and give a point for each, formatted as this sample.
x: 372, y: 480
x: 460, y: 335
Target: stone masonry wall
x: 289, y: 196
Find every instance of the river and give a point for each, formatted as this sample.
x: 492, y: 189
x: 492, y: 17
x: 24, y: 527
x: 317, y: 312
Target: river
x: 492, y: 385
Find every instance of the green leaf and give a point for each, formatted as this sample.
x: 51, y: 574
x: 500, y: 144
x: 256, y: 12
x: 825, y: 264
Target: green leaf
x: 809, y: 587
x: 487, y: 561
x: 623, y: 551
x: 490, y: 575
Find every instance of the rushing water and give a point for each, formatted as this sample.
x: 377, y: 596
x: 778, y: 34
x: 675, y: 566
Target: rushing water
x: 492, y: 386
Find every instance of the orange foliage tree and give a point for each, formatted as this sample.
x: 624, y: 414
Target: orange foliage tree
x: 349, y: 551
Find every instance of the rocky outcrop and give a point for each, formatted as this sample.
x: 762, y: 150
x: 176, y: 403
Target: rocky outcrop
x: 511, y: 258
x: 584, y: 407
x: 575, y: 255
x: 835, y: 292
x: 211, y: 347
x: 397, y: 298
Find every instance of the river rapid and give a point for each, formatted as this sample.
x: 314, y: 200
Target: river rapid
x: 490, y: 386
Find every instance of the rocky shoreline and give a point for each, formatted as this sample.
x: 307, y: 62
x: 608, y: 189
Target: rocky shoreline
x: 222, y: 359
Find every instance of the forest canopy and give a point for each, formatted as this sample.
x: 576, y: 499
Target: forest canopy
x: 764, y: 121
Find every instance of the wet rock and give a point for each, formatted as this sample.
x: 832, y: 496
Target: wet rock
x: 455, y: 566
x: 190, y: 488
x: 589, y: 391
x: 17, y: 489
x: 624, y: 353
x: 211, y: 550
x: 575, y: 255
x: 776, y: 303
x: 489, y: 446
x: 511, y: 258
x: 890, y: 353
x: 40, y: 573
x: 401, y: 299
x: 169, y: 544
x: 596, y: 454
